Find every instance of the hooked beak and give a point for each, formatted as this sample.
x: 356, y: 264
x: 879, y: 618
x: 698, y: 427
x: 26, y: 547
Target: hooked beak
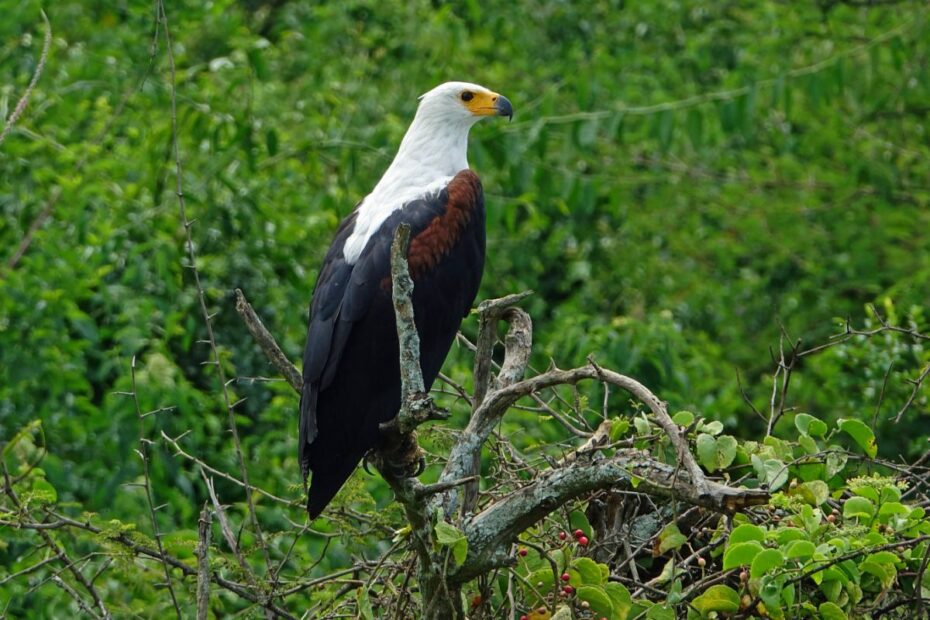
x: 503, y: 107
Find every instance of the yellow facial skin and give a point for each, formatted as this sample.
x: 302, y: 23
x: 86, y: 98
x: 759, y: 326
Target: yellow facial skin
x: 486, y: 104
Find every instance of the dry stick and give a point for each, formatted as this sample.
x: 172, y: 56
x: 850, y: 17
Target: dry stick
x: 916, y: 383
x: 203, y: 563
x: 416, y: 405
x: 192, y: 257
x: 61, y: 583
x: 147, y: 485
x: 490, y: 313
x: 179, y: 451
x: 227, y: 531
x: 518, y: 345
x: 267, y: 342
x: 24, y: 100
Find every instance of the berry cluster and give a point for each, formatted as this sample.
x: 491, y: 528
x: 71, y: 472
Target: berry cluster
x: 567, y: 590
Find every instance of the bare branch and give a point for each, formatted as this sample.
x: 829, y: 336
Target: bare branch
x: 267, y: 342
x: 227, y: 531
x: 491, y: 532
x: 143, y: 452
x: 496, y: 404
x: 203, y: 563
x: 489, y: 313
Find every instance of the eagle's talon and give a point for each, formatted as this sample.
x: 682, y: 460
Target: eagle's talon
x: 421, y: 466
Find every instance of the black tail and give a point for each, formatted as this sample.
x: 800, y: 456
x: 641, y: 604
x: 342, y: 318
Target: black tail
x: 330, y: 472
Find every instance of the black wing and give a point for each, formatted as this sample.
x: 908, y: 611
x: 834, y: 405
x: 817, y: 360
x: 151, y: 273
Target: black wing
x: 351, y: 374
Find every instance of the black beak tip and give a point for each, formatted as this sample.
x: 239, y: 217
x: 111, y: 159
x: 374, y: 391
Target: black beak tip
x: 504, y: 108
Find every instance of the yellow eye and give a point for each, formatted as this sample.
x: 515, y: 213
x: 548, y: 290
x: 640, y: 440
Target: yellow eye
x: 468, y: 96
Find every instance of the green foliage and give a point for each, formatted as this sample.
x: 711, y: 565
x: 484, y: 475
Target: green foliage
x: 682, y: 181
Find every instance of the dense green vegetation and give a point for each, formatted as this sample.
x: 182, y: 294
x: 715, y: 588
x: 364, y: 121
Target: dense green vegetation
x: 684, y: 185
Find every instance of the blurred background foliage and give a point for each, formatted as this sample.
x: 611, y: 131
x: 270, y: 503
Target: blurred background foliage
x: 683, y: 184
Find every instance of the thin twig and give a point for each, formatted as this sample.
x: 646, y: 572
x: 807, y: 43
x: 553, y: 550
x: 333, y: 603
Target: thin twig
x: 201, y: 296
x: 203, y: 563
x: 147, y: 485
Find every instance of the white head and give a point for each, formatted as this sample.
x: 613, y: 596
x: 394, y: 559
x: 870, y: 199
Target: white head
x: 437, y: 140
x: 462, y: 102
x: 433, y: 150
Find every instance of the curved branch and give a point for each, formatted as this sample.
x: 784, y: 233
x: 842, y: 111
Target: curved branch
x: 491, y: 532
x: 489, y: 313
x: 490, y: 411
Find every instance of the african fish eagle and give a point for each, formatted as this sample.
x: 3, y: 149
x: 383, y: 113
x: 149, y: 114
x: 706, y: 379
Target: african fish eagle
x: 351, y: 369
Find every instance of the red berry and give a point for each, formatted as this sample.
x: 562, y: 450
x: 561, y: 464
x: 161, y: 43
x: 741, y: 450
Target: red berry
x: 566, y: 576
x: 578, y: 533
x: 522, y: 551
x: 568, y: 590
x: 523, y: 617
x: 583, y: 541
x: 476, y: 600
x: 562, y: 535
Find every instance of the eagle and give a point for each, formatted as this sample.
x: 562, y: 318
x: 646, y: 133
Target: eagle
x: 351, y: 368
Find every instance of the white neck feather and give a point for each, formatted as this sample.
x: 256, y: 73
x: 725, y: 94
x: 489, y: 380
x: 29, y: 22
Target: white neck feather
x: 433, y: 150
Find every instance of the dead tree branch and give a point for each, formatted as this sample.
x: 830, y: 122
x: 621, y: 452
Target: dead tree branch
x: 267, y: 342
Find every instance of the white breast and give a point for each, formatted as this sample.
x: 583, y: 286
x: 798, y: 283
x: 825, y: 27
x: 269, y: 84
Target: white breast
x: 378, y: 207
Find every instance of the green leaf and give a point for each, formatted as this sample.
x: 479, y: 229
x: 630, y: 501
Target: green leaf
x: 800, y: 549
x: 808, y: 445
x: 766, y: 561
x: 858, y: 507
x: 706, y: 447
x: 814, y: 492
x: 589, y: 572
x: 831, y: 611
x: 890, y: 493
x: 772, y: 471
x: 741, y: 554
x: 770, y: 591
x: 809, y: 425
x: 43, y: 492
x: 883, y: 557
x: 835, y: 461
x: 860, y: 433
x: 717, y: 598
x: 746, y: 533
x: 683, y: 418
x: 620, y: 599
x: 726, y: 451
x: 671, y: 538
x: 714, y: 428
x: 660, y: 612
x: 599, y: 600
x: 447, y: 535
